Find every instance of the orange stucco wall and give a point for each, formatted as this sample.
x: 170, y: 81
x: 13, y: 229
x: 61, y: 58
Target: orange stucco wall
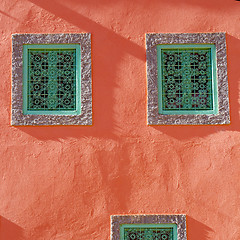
x: 63, y: 183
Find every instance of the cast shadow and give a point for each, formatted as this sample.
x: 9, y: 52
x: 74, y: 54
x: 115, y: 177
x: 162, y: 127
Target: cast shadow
x: 7, y: 15
x: 106, y: 56
x: 223, y: 4
x: 9, y: 230
x: 120, y: 187
x: 202, y: 3
x: 191, y: 131
x: 197, y: 230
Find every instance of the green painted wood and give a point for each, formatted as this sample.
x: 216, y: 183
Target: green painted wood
x: 148, y: 232
x: 52, y: 79
x: 187, y: 81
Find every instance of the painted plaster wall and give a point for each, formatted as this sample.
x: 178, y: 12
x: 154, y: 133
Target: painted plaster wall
x: 63, y: 183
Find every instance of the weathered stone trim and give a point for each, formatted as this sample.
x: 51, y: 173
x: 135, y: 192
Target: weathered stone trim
x: 18, y: 118
x: 153, y: 116
x: 179, y: 220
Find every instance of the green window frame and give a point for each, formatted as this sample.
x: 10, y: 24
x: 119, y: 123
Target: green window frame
x: 52, y: 57
x: 148, y: 231
x: 191, y: 85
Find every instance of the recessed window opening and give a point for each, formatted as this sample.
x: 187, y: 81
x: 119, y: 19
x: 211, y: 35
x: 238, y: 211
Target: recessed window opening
x: 148, y: 232
x: 187, y: 79
x: 51, y: 79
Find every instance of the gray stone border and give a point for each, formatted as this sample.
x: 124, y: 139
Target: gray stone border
x: 18, y: 118
x: 179, y: 220
x: 153, y: 116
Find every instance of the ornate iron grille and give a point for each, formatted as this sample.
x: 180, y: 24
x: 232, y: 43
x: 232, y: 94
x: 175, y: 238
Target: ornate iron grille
x: 51, y: 83
x: 148, y: 233
x: 186, y: 79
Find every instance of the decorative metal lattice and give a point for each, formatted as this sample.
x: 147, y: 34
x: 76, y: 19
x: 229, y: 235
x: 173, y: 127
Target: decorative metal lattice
x: 51, y: 79
x: 148, y: 233
x: 186, y: 79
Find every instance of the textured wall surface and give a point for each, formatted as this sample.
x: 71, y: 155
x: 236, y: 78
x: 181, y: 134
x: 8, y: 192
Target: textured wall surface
x: 64, y: 182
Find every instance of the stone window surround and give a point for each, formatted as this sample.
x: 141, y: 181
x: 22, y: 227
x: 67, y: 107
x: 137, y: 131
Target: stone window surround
x: 18, y: 118
x: 153, y: 116
x: 178, y: 219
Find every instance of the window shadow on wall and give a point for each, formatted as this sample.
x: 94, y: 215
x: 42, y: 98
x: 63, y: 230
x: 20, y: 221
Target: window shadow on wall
x: 190, y: 131
x: 108, y: 49
x: 9, y: 230
x: 197, y: 230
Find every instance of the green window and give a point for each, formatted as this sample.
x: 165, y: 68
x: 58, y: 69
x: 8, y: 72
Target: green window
x: 51, y: 79
x: 148, y: 232
x: 187, y: 80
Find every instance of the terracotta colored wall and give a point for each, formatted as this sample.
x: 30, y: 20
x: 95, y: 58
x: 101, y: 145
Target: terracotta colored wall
x: 63, y: 183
